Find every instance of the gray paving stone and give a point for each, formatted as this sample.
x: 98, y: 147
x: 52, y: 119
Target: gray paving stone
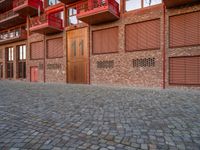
x: 60, y: 116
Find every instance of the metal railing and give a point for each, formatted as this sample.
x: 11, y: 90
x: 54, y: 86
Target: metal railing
x: 33, y: 3
x: 12, y: 34
x: 47, y: 18
x: 7, y: 14
x: 93, y: 4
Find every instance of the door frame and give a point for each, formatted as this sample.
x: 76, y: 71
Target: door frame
x: 88, y: 46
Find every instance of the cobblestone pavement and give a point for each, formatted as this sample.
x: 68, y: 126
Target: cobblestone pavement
x: 61, y: 116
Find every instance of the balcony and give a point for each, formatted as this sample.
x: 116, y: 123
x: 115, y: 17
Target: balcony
x: 28, y: 7
x: 46, y: 24
x: 10, y: 18
x: 67, y: 2
x: 96, y: 12
x: 13, y: 35
x: 5, y: 5
x: 174, y: 3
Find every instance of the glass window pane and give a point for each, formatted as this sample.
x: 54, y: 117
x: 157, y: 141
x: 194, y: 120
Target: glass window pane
x: 133, y: 4
x: 24, y: 53
x: 151, y: 2
x: 73, y: 20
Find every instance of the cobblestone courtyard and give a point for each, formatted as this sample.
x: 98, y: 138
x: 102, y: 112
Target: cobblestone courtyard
x: 61, y: 116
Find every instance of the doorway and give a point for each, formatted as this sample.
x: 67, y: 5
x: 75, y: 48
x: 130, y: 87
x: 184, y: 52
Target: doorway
x: 34, y: 74
x: 78, y: 55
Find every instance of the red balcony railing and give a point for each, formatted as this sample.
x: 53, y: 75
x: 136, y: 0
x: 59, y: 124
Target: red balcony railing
x: 67, y: 2
x: 98, y: 11
x: 7, y: 14
x: 13, y: 35
x: 46, y: 23
x: 10, y: 18
x: 5, y: 5
x: 29, y: 7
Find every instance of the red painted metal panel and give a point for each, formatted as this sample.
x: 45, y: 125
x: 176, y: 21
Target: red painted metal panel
x: 98, y: 11
x: 55, y: 48
x: 34, y: 74
x: 37, y: 50
x: 47, y: 23
x: 105, y: 41
x: 185, y: 70
x: 143, y: 35
x: 185, y: 30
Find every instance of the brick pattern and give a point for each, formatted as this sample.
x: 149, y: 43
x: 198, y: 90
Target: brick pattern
x: 123, y: 72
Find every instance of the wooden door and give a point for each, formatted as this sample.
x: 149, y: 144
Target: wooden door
x: 77, y: 41
x: 1, y: 70
x: 34, y: 74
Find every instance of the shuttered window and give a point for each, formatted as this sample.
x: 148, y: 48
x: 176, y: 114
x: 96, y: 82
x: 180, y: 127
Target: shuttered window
x: 55, y: 48
x: 1, y: 53
x: 105, y: 41
x: 185, y: 30
x: 37, y: 50
x: 143, y: 35
x: 185, y: 70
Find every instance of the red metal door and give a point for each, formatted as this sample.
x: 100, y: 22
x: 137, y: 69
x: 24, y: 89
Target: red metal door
x: 1, y: 70
x: 34, y: 74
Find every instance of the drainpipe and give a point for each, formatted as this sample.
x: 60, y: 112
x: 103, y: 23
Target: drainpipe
x: 44, y: 63
x: 164, y: 46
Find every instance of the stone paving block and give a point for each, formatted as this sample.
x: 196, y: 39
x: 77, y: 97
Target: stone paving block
x: 57, y: 116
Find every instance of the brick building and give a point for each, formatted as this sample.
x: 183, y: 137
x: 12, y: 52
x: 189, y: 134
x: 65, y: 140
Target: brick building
x: 147, y: 43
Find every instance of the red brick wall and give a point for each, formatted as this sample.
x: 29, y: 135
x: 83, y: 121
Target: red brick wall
x: 53, y: 74
x: 123, y: 72
x: 182, y: 51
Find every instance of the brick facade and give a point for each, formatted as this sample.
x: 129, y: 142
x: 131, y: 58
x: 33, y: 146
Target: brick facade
x: 116, y: 68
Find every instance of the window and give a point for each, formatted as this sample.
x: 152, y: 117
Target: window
x: 133, y: 4
x: 1, y: 53
x: 136, y: 4
x: 10, y: 54
x: 105, y: 41
x: 147, y: 3
x: 55, y: 48
x: 143, y: 35
x: 9, y: 62
x: 184, y: 29
x: 37, y: 50
x: 53, y: 2
x: 72, y: 19
x: 184, y: 70
x: 21, y: 51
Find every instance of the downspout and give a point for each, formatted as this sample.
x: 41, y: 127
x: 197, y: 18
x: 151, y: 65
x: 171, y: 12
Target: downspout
x: 164, y: 46
x: 44, y: 63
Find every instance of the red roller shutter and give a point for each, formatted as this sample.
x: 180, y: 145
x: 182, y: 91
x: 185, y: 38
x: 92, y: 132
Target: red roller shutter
x: 105, y: 41
x: 185, y: 30
x: 37, y: 50
x: 185, y: 70
x: 55, y: 48
x: 143, y: 35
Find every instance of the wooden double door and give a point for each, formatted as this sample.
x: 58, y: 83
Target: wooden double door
x: 78, y: 56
